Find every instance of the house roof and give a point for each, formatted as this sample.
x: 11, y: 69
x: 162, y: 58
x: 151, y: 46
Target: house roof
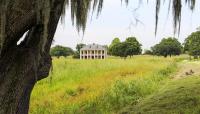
x: 93, y: 47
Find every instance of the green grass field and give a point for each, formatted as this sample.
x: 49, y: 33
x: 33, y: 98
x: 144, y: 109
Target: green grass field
x: 102, y: 86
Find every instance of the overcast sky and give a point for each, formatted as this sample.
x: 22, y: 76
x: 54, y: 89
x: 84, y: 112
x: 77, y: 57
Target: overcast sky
x: 117, y: 20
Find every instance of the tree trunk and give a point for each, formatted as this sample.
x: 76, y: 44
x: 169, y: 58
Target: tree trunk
x: 21, y: 66
x: 19, y: 73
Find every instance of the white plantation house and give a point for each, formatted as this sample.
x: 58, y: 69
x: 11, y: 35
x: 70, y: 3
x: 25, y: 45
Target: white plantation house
x: 93, y: 51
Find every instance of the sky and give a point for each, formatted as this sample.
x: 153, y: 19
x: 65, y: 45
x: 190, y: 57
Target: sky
x: 119, y: 20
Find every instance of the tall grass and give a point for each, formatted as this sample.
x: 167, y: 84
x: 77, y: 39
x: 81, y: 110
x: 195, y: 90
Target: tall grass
x: 98, y: 86
x: 124, y: 93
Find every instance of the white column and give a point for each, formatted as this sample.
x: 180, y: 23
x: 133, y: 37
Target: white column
x: 101, y: 54
x: 94, y: 54
x: 87, y: 54
x: 81, y: 54
x: 105, y: 54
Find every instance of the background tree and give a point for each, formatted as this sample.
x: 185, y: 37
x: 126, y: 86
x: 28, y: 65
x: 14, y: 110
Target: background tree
x: 168, y: 47
x: 192, y: 44
x: 120, y: 49
x: 24, y: 64
x: 58, y: 51
x: 77, y: 52
x: 79, y: 46
x: 129, y: 47
x: 148, y: 52
x: 114, y: 42
x: 133, y: 46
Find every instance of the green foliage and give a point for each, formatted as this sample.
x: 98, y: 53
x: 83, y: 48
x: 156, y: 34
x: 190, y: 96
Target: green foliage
x: 134, y: 47
x: 167, y: 47
x: 129, y: 47
x: 79, y: 46
x: 148, y: 52
x: 76, y: 55
x: 58, y: 51
x: 120, y: 49
x: 114, y: 42
x: 192, y: 44
x: 77, y: 52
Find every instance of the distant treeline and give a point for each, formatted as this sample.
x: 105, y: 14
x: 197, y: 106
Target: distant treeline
x: 131, y: 46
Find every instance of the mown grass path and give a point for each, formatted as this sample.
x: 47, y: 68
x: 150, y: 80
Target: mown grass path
x: 187, y: 68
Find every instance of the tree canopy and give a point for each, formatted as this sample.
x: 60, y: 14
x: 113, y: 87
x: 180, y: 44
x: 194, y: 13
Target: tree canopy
x: 167, y: 47
x: 129, y: 47
x: 79, y: 46
x: 192, y: 44
x: 114, y: 42
x: 77, y: 52
x: 148, y: 52
x: 133, y: 46
x: 59, y: 51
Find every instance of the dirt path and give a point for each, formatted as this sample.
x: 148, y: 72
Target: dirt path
x: 188, y: 68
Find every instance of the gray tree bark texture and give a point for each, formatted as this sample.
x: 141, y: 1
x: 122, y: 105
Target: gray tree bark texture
x: 21, y: 66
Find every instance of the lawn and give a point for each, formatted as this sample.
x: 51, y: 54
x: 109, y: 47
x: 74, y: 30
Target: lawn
x: 99, y: 86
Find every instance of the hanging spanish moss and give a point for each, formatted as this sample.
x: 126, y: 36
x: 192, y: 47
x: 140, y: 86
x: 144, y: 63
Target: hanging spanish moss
x: 177, y: 7
x: 80, y: 11
x: 176, y: 12
x: 157, y: 13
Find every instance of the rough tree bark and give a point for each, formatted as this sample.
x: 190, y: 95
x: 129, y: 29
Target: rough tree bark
x: 21, y: 66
